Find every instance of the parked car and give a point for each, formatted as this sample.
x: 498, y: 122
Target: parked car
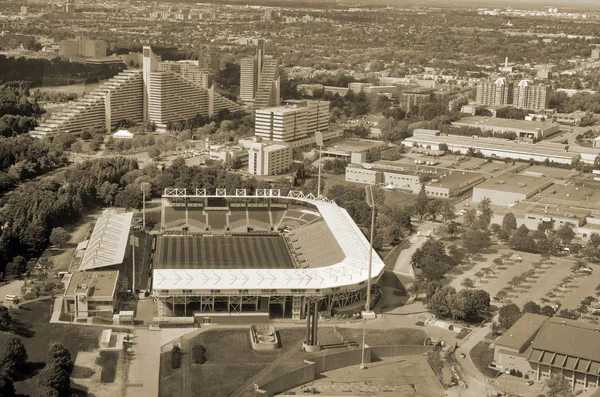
x: 529, y: 383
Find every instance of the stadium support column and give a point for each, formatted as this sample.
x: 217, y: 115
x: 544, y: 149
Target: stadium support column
x: 312, y: 312
x: 315, y: 320
x: 162, y: 215
x: 308, y: 330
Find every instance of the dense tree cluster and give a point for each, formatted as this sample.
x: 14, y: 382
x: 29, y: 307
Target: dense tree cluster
x: 580, y: 101
x: 468, y: 304
x: 18, y: 112
x: 13, y: 357
x: 538, y: 241
x: 54, y: 72
x: 23, y: 157
x: 34, y: 209
x: 335, y: 166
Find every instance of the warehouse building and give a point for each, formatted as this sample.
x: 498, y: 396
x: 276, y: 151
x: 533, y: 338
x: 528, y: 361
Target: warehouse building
x: 509, y: 188
x: 493, y: 147
x: 438, y: 182
x: 523, y: 129
x: 541, y: 346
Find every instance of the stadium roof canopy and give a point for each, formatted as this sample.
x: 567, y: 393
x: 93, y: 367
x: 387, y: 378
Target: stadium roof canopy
x: 108, y: 242
x: 352, y: 270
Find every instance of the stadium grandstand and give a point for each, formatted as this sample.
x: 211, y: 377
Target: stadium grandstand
x: 265, y: 254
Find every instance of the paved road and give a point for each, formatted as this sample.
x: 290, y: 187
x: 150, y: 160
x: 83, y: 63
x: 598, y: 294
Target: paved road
x: 476, y: 381
x: 12, y: 288
x: 145, y: 365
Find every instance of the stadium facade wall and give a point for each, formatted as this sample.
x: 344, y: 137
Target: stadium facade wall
x: 233, y: 318
x: 397, y: 350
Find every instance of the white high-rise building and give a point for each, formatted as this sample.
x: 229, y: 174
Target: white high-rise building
x: 267, y: 158
x: 259, y: 79
x: 150, y: 94
x: 531, y: 96
x: 295, y: 121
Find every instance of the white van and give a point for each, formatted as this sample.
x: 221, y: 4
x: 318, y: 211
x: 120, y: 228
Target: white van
x: 10, y: 297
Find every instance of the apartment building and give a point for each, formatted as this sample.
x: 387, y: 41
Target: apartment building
x: 259, y: 79
x: 500, y: 92
x: 494, y: 93
x: 114, y: 100
x: 160, y: 92
x: 416, y: 97
x: 295, y: 121
x: 188, y: 70
x: 82, y: 47
x: 531, y: 96
x: 267, y: 158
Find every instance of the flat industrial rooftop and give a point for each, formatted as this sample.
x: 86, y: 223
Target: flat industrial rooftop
x: 222, y: 252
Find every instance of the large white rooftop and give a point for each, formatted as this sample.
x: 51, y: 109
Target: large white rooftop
x: 108, y: 241
x: 352, y: 270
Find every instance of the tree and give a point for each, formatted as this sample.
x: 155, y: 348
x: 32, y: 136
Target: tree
x: 130, y: 197
x: 59, y: 236
x: 565, y: 233
x: 547, y: 310
x: 53, y: 377
x: 558, y: 386
x: 508, y: 315
x: 198, y: 354
x: 5, y: 319
x: 13, y: 356
x: 477, y: 301
x: 420, y: 204
x: 531, y: 307
x: 475, y: 239
x: 154, y: 153
x: 522, y: 241
x: 569, y: 314
x: 432, y: 259
x: 441, y: 302
x: 17, y: 267
x: 59, y: 355
x: 468, y: 283
x: 7, y: 387
x: 509, y: 223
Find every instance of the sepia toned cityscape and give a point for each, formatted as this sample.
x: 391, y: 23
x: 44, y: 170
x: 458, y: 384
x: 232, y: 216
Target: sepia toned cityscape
x: 297, y: 197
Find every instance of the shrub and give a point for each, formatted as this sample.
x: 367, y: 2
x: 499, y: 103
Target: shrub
x: 198, y: 354
x: 108, y: 361
x: 176, y: 357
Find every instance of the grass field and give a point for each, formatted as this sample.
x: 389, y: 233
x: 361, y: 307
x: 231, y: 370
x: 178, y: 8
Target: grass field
x: 232, y: 367
x: 482, y: 356
x: 375, y: 337
x: 219, y: 252
x: 37, y: 334
x: 230, y: 362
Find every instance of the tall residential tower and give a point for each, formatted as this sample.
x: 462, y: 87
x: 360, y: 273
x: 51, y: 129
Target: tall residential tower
x: 259, y: 79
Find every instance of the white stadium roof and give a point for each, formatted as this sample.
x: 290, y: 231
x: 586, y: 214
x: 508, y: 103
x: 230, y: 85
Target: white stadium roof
x: 108, y: 241
x: 352, y: 270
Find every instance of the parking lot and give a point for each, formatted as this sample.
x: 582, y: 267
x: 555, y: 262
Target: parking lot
x: 544, y: 282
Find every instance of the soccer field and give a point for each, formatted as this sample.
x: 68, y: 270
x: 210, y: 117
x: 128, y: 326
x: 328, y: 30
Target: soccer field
x: 221, y: 252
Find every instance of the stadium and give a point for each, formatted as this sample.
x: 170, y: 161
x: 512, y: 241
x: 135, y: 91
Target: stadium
x: 261, y: 255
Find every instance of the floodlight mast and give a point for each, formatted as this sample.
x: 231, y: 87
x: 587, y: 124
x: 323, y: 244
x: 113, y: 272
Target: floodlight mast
x: 319, y: 141
x: 371, y: 203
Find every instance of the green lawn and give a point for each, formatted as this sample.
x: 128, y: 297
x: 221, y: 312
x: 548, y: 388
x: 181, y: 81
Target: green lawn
x: 37, y: 334
x: 482, y: 356
x: 376, y: 337
x: 231, y: 362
